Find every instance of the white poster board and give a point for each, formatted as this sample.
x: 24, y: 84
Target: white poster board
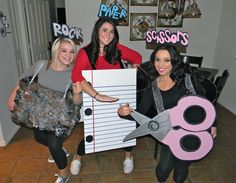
x: 103, y: 128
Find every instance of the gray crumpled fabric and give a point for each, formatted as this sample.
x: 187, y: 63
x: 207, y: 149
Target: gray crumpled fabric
x: 45, y: 109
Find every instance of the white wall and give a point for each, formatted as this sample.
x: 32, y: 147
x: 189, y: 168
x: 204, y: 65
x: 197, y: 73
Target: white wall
x: 203, y: 32
x: 8, y: 77
x: 225, y: 57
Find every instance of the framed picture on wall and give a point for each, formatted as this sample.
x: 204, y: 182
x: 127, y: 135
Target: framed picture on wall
x: 140, y: 23
x: 143, y: 3
x: 176, y: 21
x: 121, y: 4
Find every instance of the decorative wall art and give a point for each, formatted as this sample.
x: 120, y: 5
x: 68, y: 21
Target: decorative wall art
x: 176, y: 21
x: 121, y: 4
x: 140, y: 23
x: 143, y: 3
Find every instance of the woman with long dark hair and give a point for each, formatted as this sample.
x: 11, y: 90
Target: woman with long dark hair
x: 168, y: 74
x: 103, y: 52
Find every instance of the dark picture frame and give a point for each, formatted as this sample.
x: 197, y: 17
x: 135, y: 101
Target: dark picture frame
x: 143, y: 2
x: 122, y: 4
x: 176, y: 21
x: 140, y: 23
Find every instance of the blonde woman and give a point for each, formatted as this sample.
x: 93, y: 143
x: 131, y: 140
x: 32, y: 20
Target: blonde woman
x: 54, y: 75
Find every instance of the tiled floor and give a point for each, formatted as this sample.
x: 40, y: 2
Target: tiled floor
x: 25, y: 161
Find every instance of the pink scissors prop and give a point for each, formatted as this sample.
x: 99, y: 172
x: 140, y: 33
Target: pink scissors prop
x: 175, y: 128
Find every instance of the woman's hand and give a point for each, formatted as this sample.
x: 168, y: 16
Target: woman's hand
x: 105, y: 98
x: 93, y: 93
x: 77, y: 93
x: 135, y: 66
x: 125, y: 110
x: 11, y: 103
x: 77, y: 88
x: 214, y: 132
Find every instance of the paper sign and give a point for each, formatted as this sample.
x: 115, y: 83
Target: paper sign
x: 103, y: 128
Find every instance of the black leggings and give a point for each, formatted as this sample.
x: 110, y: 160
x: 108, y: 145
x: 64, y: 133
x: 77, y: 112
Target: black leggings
x: 54, y: 144
x: 81, y: 148
x: 168, y: 162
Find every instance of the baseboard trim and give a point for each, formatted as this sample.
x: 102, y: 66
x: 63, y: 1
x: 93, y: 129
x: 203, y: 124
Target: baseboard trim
x: 4, y: 142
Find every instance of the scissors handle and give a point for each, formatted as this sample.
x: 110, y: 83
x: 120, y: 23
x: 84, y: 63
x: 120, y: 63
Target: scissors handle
x: 177, y: 114
x: 175, y: 139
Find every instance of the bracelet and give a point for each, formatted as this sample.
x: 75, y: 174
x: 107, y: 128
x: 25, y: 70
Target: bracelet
x: 95, y: 95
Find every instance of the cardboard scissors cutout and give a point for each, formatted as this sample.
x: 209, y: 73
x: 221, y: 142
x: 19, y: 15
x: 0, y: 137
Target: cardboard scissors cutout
x: 174, y: 127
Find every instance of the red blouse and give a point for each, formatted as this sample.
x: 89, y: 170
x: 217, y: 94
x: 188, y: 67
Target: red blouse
x: 82, y: 62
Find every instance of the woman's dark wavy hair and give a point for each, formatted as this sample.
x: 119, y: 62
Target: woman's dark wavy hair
x: 112, y: 53
x: 179, y: 68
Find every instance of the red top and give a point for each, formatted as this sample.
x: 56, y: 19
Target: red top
x: 82, y: 62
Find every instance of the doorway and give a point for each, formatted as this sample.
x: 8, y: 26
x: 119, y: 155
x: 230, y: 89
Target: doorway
x: 32, y: 29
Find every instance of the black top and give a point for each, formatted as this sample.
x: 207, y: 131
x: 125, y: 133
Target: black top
x: 170, y: 98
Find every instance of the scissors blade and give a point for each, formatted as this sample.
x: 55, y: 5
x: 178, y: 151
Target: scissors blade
x: 140, y: 131
x: 164, y: 123
x: 158, y: 127
x: 140, y: 118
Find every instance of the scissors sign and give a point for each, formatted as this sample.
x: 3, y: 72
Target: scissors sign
x: 183, y: 128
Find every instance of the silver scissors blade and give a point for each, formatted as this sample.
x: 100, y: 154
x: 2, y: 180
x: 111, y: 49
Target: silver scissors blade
x: 158, y: 127
x: 140, y: 118
x: 140, y: 131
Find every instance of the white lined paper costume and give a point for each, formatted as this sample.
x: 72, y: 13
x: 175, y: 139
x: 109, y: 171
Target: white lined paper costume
x: 103, y: 128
